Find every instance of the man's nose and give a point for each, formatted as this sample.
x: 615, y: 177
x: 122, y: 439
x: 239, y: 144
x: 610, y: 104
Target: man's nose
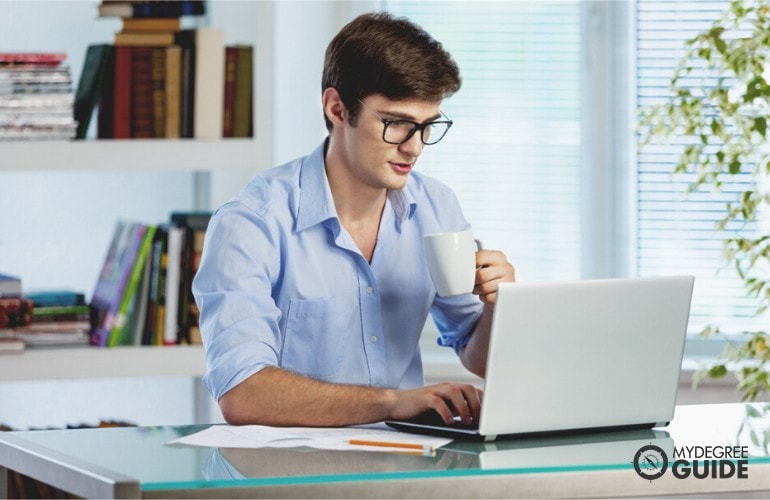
x: 413, y: 146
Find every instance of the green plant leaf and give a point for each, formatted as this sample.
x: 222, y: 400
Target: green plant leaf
x: 760, y: 125
x: 717, y: 371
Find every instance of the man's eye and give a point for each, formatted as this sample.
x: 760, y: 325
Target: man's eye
x: 401, y: 125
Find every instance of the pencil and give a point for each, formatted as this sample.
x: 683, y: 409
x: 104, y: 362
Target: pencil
x: 425, y: 448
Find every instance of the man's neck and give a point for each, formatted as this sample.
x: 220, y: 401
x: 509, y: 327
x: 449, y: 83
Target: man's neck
x: 359, y: 206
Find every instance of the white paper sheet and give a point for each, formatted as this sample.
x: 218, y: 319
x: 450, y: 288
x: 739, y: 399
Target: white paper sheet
x: 326, y: 438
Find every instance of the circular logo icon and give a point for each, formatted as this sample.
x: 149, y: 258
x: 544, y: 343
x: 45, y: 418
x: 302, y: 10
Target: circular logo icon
x: 650, y: 462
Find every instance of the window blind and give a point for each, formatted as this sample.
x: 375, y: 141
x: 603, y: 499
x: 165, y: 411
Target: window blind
x: 676, y: 231
x: 513, y: 153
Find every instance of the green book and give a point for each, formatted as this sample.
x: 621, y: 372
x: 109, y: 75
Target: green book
x: 90, y: 86
x: 122, y: 332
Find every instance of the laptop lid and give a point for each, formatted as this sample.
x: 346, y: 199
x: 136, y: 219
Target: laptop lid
x: 583, y: 355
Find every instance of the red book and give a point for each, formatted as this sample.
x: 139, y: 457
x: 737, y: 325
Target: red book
x: 39, y: 58
x: 231, y: 55
x: 121, y: 125
x: 141, y: 93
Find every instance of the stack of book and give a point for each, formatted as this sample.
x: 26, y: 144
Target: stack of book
x: 36, y: 97
x: 160, y: 80
x: 143, y: 295
x: 15, y: 311
x: 60, y: 318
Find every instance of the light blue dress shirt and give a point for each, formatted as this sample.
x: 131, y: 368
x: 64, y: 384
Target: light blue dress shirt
x: 281, y: 283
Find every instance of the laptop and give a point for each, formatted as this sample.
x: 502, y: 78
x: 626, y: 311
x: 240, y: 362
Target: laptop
x: 579, y: 356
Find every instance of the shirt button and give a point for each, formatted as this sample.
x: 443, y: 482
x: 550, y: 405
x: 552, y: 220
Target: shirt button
x: 369, y: 290
x: 373, y: 338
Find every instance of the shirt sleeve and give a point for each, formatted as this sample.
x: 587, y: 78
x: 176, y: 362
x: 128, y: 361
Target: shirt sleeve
x: 455, y: 317
x: 238, y: 316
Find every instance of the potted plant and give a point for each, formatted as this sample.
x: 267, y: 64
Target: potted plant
x: 719, y: 110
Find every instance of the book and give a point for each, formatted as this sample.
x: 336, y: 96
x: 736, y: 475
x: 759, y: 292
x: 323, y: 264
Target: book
x: 9, y: 285
x: 204, y: 69
x: 142, y: 113
x: 151, y: 24
x: 142, y: 9
x: 173, y: 91
x: 174, y: 246
x: 158, y: 79
x: 186, y: 42
x: 32, y: 58
x: 111, y: 283
x: 144, y: 38
x: 15, y: 311
x: 231, y: 54
x: 56, y: 298
x: 243, y: 115
x: 122, y: 97
x: 90, y: 86
x: 151, y: 331
x: 194, y: 225
x: 129, y: 310
x: 106, y: 112
x: 52, y: 314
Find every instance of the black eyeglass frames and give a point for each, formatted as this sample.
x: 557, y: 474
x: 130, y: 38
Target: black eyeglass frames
x: 399, y: 131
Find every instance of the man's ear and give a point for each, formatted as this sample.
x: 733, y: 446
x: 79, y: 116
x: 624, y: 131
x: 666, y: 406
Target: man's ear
x: 334, y: 108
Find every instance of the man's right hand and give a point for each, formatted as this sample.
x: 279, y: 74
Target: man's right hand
x: 447, y: 399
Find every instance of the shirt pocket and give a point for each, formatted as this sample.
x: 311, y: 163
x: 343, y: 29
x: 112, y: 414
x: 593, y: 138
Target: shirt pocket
x: 315, y: 338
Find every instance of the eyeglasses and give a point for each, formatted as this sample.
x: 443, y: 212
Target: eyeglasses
x: 400, y: 131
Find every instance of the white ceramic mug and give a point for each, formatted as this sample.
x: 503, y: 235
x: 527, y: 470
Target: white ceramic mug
x: 452, y: 261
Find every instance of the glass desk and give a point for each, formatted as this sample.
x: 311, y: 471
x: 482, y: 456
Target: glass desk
x: 137, y: 462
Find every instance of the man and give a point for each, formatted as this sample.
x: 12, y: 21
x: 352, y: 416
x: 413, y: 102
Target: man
x: 313, y: 286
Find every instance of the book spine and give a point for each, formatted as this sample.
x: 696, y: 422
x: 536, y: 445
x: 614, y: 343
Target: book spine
x: 154, y: 295
x: 173, y: 91
x: 106, y: 111
x: 90, y: 86
x: 231, y: 55
x: 243, y: 115
x: 158, y: 91
x: 186, y: 41
x: 209, y: 83
x: 194, y: 225
x: 122, y: 103
x: 119, y: 333
x: 141, y: 93
x: 173, y: 269
x: 113, y: 278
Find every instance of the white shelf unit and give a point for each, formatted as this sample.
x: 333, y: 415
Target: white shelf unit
x: 103, y: 363
x: 220, y: 167
x: 188, y: 155
x: 53, y: 387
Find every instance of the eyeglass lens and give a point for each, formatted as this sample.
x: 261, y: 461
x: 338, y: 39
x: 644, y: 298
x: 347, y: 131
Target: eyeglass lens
x: 397, y: 132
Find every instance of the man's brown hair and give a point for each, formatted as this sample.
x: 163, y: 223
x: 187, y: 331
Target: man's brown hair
x: 381, y: 54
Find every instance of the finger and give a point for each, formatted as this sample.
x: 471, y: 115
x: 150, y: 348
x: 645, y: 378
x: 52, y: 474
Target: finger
x: 465, y: 402
x: 474, y: 403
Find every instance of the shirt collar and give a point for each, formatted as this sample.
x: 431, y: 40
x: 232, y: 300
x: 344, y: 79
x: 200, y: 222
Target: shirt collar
x: 315, y: 196
x: 316, y: 204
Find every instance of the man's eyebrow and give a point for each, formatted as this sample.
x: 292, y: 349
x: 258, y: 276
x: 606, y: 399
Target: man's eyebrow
x: 408, y: 117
